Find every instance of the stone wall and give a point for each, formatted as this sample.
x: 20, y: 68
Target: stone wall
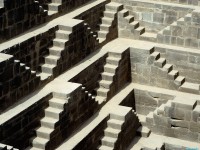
x: 146, y: 102
x: 93, y: 16
x: 16, y: 17
x: 187, y: 63
x: 184, y: 2
x: 184, y: 32
x: 177, y: 118
x: 17, y: 80
x: 32, y: 51
x: 154, y: 15
x: 91, y: 75
x: 91, y: 141
x: 19, y: 130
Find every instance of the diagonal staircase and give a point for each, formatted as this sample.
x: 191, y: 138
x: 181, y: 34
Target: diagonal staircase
x: 51, y: 60
x: 112, y: 62
x: 48, y: 123
x: 125, y: 19
x: 110, y: 14
x: 54, y: 7
x: 173, y: 74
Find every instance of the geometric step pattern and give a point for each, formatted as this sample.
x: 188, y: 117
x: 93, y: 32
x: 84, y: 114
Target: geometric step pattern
x: 172, y: 74
x: 6, y: 147
x: 112, y: 62
x: 143, y: 131
x: 51, y: 60
x: 114, y: 128
x: 107, y: 20
x: 46, y: 130
x: 54, y: 7
x: 130, y: 21
x: 148, y: 36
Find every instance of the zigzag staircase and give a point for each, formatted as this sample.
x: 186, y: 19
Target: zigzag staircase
x: 110, y: 15
x: 112, y: 62
x: 121, y: 129
x: 173, y: 74
x: 51, y: 60
x: 48, y: 123
x: 128, y: 20
x: 54, y: 7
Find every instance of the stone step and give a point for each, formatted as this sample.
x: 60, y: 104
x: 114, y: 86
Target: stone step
x: 179, y: 80
x: 50, y: 13
x: 129, y: 18
x: 103, y: 147
x: 65, y: 28
x: 57, y: 103
x: 152, y: 37
x: 33, y: 148
x: 113, y: 60
x: 108, y: 141
x: 110, y: 132
x: 51, y: 59
x: 102, y: 92
x: 135, y: 24
x: 102, y: 34
x: 54, y: 7
x: 139, y: 31
x: 143, y: 131
x: 168, y: 68
x: 190, y: 88
x: 59, y: 43
x: 53, y: 112
x: 114, y: 54
x: 100, y: 99
x: 101, y: 40
x: 56, y: 50
x: 107, y: 76
x: 44, y: 132
x: 113, y: 6
x: 115, y: 124
x: 44, y: 76
x: 160, y: 62
x: 109, y: 14
x: 57, y: 1
x: 48, y: 122
x: 47, y: 68
x: 155, y: 55
x: 106, y: 20
x: 40, y: 143
x: 110, y: 68
x: 105, y: 84
x: 173, y: 74
x: 62, y: 34
x: 124, y: 13
x: 104, y: 27
x: 181, y: 21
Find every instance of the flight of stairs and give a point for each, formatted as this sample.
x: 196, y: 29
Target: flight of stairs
x: 51, y: 60
x: 112, y: 62
x: 114, y: 127
x: 48, y: 123
x: 54, y: 7
x: 125, y: 19
x: 148, y: 36
x: 173, y: 74
x: 6, y: 147
x: 108, y: 19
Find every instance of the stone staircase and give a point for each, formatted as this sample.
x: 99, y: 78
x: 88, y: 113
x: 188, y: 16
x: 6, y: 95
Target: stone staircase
x: 48, y: 123
x: 172, y: 74
x: 108, y: 75
x: 54, y: 7
x: 114, y: 128
x: 6, y: 147
x: 110, y: 15
x: 148, y: 36
x: 51, y: 60
x: 134, y: 30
